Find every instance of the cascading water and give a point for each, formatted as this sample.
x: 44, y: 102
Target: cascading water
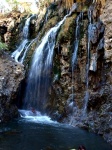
x: 74, y: 57
x: 26, y: 28
x: 16, y: 54
x: 26, y: 50
x: 46, y: 15
x: 23, y: 47
x: 86, y: 98
x: 40, y: 73
x: 76, y: 45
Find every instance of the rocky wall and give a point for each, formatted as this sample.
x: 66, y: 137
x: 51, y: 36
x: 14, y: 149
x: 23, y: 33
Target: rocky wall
x: 11, y: 74
x: 11, y: 26
x: 69, y: 89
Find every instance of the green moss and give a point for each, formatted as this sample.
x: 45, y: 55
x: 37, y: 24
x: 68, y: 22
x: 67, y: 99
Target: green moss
x: 3, y: 46
x: 29, y: 55
x: 85, y: 9
x: 51, y: 23
x: 67, y: 30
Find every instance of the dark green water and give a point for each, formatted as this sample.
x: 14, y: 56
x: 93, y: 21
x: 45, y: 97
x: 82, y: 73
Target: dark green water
x: 25, y: 135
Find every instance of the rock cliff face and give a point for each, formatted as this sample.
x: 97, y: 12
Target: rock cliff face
x: 69, y: 89
x: 11, y: 26
x: 106, y: 17
x: 11, y: 75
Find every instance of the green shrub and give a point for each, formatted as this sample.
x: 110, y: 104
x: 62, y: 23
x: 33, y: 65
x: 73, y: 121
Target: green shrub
x: 3, y: 46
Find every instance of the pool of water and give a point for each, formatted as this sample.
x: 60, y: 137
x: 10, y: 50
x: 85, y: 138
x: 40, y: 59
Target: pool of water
x: 41, y: 133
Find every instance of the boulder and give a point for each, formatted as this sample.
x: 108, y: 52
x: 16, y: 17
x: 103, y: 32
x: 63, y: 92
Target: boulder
x: 11, y: 74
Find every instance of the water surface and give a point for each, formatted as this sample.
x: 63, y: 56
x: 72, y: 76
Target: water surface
x: 44, y: 134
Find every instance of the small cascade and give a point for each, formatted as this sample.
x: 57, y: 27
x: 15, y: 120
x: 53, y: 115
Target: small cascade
x: 26, y: 28
x: 86, y: 98
x: 40, y: 73
x: 26, y: 50
x: 76, y: 46
x: 74, y: 63
x: 77, y: 36
x: 46, y: 15
x: 36, y: 117
x: 24, y: 45
x: 16, y: 54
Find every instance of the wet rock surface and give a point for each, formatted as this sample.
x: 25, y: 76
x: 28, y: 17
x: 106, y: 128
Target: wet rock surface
x: 11, y: 74
x: 68, y: 90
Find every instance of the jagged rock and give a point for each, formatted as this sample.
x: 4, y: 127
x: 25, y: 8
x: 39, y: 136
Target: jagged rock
x: 11, y: 74
x: 106, y: 17
x: 95, y: 30
x: 11, y: 28
x: 101, y: 44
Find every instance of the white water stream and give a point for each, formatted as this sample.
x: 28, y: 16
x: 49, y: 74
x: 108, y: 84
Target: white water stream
x: 86, y: 98
x: 39, y: 78
x: 20, y: 53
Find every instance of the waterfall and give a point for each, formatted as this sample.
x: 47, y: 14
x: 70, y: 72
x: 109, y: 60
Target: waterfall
x: 74, y: 60
x: 76, y: 45
x: 26, y: 28
x: 24, y: 45
x: 86, y: 98
x: 26, y: 50
x: 46, y: 15
x: 39, y: 78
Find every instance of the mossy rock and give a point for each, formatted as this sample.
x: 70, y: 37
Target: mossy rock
x: 51, y: 23
x: 52, y: 11
x: 3, y: 45
x: 29, y: 55
x: 67, y: 30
